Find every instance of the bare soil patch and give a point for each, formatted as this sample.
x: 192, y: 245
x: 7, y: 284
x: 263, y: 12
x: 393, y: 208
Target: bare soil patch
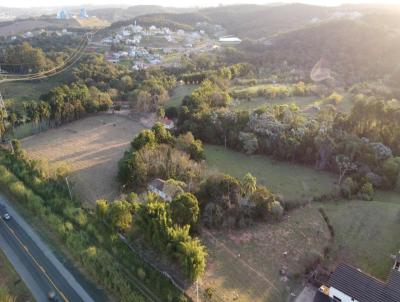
x: 92, y: 147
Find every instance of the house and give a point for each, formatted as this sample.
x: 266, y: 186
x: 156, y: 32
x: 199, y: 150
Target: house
x: 168, y: 124
x: 158, y: 186
x: 349, y: 284
x: 229, y: 40
x: 28, y: 34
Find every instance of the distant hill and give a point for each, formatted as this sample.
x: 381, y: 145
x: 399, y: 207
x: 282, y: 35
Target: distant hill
x: 120, y: 14
x: 353, y: 50
x: 256, y: 21
x: 18, y: 26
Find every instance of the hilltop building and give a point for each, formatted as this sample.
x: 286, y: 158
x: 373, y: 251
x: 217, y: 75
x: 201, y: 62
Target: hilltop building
x: 229, y: 40
x: 62, y: 14
x: 83, y: 13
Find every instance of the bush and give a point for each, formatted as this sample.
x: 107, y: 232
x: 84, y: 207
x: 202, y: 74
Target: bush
x: 367, y: 191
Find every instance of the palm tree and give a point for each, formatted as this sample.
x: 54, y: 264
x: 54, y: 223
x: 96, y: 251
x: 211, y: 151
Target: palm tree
x: 44, y: 112
x: 248, y: 185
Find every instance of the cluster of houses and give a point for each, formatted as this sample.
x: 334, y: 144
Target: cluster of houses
x: 143, y: 54
x: 39, y: 32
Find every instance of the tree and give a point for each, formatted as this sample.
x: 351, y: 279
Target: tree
x: 345, y: 165
x: 248, y: 184
x: 262, y: 200
x: 3, y: 115
x: 276, y: 209
x: 102, y: 208
x: 119, y: 215
x: 185, y: 209
x: 186, y: 142
x: 162, y: 135
x: 145, y: 137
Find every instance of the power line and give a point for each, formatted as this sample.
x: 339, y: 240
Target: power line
x: 54, y: 71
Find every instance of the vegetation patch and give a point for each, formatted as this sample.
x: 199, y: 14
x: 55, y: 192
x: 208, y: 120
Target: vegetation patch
x: 12, y: 288
x: 366, y: 231
x: 178, y: 94
x: 244, y: 265
x: 292, y: 181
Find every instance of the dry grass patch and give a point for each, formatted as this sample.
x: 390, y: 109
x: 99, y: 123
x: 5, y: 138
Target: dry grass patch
x: 92, y: 147
x: 244, y: 265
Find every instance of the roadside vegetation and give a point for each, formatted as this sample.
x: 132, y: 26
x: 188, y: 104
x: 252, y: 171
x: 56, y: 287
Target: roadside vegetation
x: 87, y: 237
x: 12, y: 288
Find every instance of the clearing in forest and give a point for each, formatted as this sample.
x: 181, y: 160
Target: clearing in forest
x: 92, y: 147
x: 293, y: 181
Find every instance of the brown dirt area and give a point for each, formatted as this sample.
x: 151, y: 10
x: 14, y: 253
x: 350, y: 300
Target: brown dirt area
x: 243, y: 265
x: 92, y: 147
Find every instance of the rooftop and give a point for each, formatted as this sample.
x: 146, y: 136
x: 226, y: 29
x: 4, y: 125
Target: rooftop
x: 365, y: 288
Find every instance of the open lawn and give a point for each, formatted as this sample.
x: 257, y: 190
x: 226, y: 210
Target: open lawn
x: 178, y: 94
x: 32, y: 90
x: 293, y: 181
x: 92, y: 146
x: 243, y: 265
x: 255, y: 103
x: 366, y: 232
x: 11, y: 282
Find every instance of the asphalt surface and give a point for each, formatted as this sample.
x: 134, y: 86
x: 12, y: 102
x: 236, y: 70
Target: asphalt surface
x: 44, y: 273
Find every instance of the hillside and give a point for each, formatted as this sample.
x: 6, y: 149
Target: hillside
x: 348, y: 48
x: 20, y: 26
x: 256, y: 21
x: 120, y: 14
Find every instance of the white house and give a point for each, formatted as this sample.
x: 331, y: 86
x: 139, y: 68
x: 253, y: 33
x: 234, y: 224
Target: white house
x: 125, y: 33
x: 230, y: 40
x: 349, y: 284
x: 157, y: 186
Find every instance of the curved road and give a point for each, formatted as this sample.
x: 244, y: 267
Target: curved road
x: 34, y: 261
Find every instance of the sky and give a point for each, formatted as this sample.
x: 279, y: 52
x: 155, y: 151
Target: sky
x: 176, y: 3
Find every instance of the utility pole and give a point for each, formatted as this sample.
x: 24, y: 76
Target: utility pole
x: 2, y: 106
x: 197, y: 290
x: 12, y: 147
x: 69, y: 189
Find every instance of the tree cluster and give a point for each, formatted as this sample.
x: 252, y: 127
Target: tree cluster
x: 156, y: 153
x: 368, y: 135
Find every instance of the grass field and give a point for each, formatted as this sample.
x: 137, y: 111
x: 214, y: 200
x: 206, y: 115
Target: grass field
x: 31, y: 91
x: 92, y: 146
x: 301, y: 102
x: 291, y: 180
x: 178, y: 94
x: 366, y: 232
x: 243, y: 265
x: 11, y: 282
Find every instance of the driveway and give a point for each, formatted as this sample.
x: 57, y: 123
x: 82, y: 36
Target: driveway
x: 307, y: 294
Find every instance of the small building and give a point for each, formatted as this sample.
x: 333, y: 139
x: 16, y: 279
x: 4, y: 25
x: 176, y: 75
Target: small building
x: 349, y: 284
x: 63, y: 14
x: 168, y: 124
x: 83, y: 13
x: 229, y: 40
x: 28, y: 34
x: 157, y: 186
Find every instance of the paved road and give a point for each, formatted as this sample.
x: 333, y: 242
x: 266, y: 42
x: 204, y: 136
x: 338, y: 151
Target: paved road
x: 37, y: 265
